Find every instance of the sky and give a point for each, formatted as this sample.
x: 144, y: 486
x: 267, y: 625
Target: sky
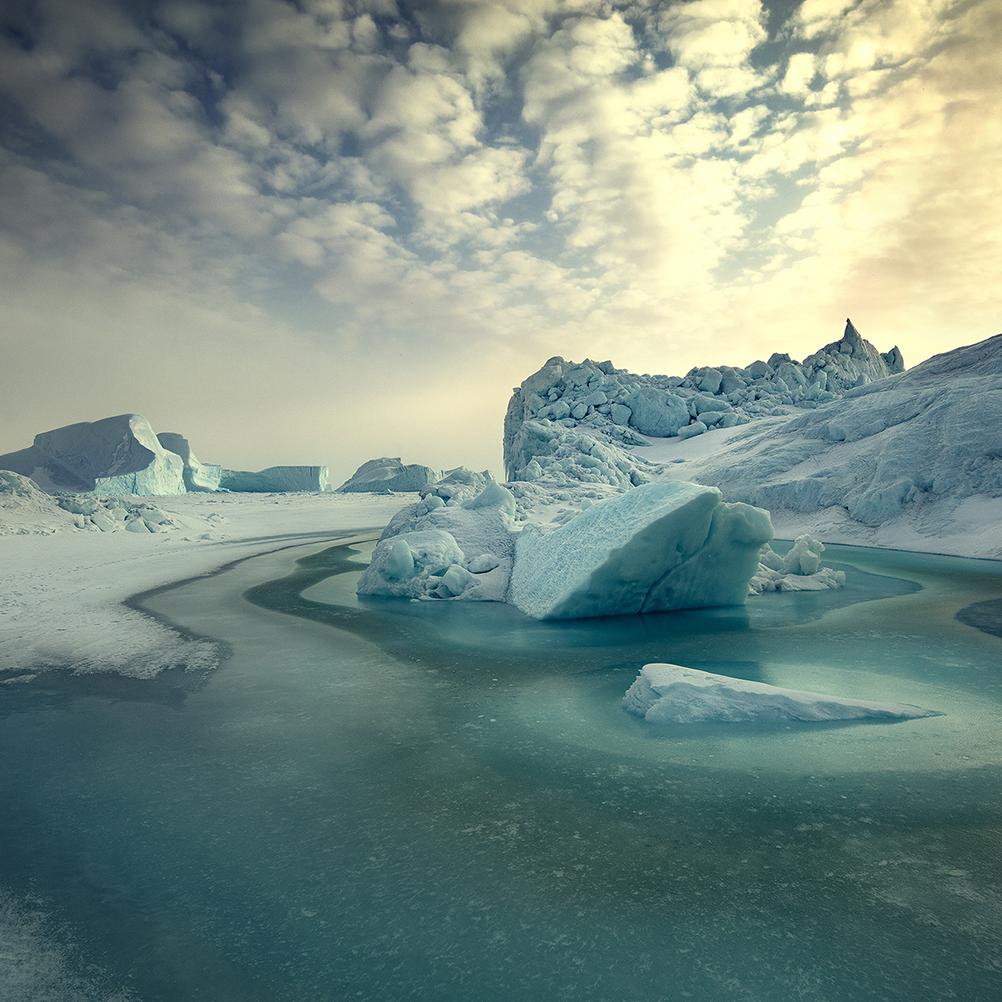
x: 324, y: 230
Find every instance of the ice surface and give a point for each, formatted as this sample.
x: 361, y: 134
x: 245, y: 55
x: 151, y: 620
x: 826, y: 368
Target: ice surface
x: 61, y: 596
x: 276, y: 480
x: 674, y: 694
x: 198, y: 476
x: 666, y: 545
x: 390, y: 474
x: 114, y: 456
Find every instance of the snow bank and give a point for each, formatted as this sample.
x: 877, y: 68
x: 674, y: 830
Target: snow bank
x: 276, y: 480
x: 659, y: 546
x: 673, y: 694
x: 115, y: 456
x: 389, y: 474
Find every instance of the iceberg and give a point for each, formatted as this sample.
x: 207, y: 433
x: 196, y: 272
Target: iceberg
x: 113, y: 457
x: 276, y: 480
x: 674, y: 694
x: 389, y: 474
x: 660, y: 546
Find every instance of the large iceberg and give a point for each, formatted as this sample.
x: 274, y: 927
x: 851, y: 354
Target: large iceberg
x: 276, y: 480
x: 659, y: 546
x: 390, y: 474
x: 198, y: 476
x: 112, y: 457
x: 674, y: 694
x: 554, y: 414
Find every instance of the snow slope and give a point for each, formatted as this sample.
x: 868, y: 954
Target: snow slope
x: 913, y: 461
x: 674, y: 694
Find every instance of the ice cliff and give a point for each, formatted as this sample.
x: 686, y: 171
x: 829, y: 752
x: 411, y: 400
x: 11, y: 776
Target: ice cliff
x: 198, y: 476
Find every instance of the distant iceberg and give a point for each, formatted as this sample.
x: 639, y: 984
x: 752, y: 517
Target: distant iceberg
x: 389, y: 474
x: 112, y: 457
x: 674, y: 694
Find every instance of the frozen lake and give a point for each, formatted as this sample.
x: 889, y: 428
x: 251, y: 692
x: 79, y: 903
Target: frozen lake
x: 438, y: 801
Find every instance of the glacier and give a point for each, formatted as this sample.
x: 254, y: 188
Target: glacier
x: 675, y: 694
x: 909, y: 459
x: 916, y: 456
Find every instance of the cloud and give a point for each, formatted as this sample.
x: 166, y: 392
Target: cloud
x: 433, y: 198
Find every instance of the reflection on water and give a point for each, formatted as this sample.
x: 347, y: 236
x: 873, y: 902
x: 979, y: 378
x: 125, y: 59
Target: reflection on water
x: 443, y: 801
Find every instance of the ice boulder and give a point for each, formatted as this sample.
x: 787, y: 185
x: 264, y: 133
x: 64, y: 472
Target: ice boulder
x: 198, y: 476
x: 276, y: 480
x: 674, y: 694
x: 389, y: 474
x: 418, y: 564
x: 663, y: 545
x: 113, y: 457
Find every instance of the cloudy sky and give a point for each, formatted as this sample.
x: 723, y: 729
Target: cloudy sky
x: 322, y: 230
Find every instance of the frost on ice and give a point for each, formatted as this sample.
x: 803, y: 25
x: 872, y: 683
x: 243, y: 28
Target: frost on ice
x: 665, y: 545
x: 673, y: 694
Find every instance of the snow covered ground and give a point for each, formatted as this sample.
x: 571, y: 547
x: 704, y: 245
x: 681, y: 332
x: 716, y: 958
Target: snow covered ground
x: 61, y: 594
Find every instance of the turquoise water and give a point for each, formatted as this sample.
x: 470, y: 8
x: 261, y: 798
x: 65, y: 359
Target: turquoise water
x: 444, y: 801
